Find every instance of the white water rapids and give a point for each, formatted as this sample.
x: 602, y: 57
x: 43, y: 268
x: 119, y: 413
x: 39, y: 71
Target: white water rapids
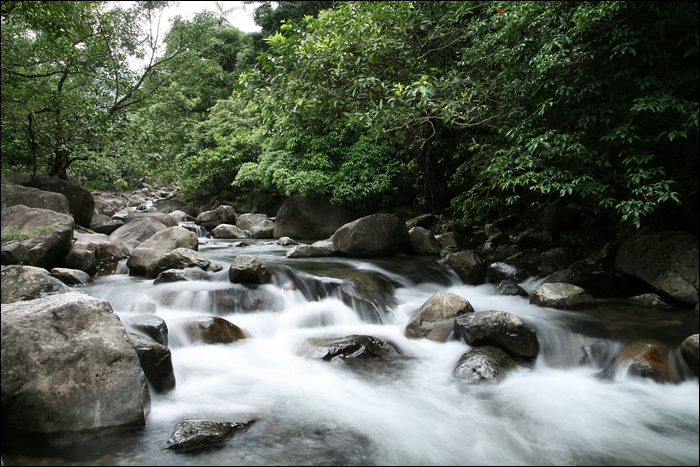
x: 317, y: 413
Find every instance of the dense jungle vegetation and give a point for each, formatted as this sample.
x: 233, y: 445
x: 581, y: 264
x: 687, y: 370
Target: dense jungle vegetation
x: 472, y: 109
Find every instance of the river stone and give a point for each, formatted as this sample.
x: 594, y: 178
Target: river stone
x: 168, y: 206
x: 171, y: 275
x: 14, y: 253
x: 50, y: 233
x: 107, y: 203
x: 500, y: 271
x: 500, y: 329
x: 181, y: 216
x: 508, y: 287
x: 247, y: 221
x: 650, y: 299
x: 156, y: 362
x: 435, y: 318
x: 371, y: 236
x: 369, y: 294
x: 224, y: 214
x: 561, y: 295
x: 142, y: 258
x: 318, y: 249
x: 469, y: 266
x: 67, y: 367
x: 13, y: 195
x: 247, y: 269
x: 353, y: 347
x: 161, y: 217
x: 195, y: 435
x: 286, y: 241
x: 153, y: 326
x: 647, y: 360
x: 307, y: 218
x: 104, y: 224
x: 71, y: 276
x: 227, y: 231
x: 134, y: 233
x: 179, y: 258
x: 487, y: 363
x: 667, y: 261
x: 264, y: 229
x: 95, y: 254
x: 28, y: 283
x: 689, y: 350
x: 213, y: 330
x: 423, y: 241
x: 80, y: 201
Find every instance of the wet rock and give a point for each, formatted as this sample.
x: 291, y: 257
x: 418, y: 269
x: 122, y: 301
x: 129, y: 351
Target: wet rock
x: 500, y: 271
x: 80, y: 201
x: 134, y: 233
x: 213, y: 330
x: 46, y: 235
x: 142, y: 258
x: 508, y: 287
x: 353, y: 347
x: 322, y: 248
x: 435, y: 318
x: 500, y: 329
x: 95, y: 254
x: 71, y: 276
x: 689, y: 351
x: 372, y: 236
x: 68, y: 367
x: 224, y: 214
x: 179, y: 258
x: 21, y: 283
x: 370, y: 294
x: 647, y: 360
x: 262, y: 230
x: 561, y: 295
x: 104, y: 224
x: 247, y: 269
x: 423, y: 241
x: 170, y: 275
x: 195, y: 435
x: 286, y: 241
x: 247, y: 221
x: 244, y: 299
x: 487, y: 363
x: 152, y: 326
x: 667, y: 261
x: 156, y: 362
x: 650, y: 299
x: 469, y: 266
x: 227, y: 231
x: 13, y: 195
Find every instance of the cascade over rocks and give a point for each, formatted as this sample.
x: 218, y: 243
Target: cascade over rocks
x: 667, y: 261
x: 487, y: 363
x: 213, y: 330
x: 561, y: 295
x: 247, y: 269
x: 156, y: 362
x: 50, y: 234
x: 373, y: 235
x: 305, y: 218
x: 435, y: 318
x: 95, y: 254
x: 152, y: 326
x: 144, y: 256
x: 136, y: 232
x: 500, y: 329
x: 13, y: 195
x: 28, y: 283
x: 469, y: 266
x: 647, y: 360
x: 68, y: 367
x: 80, y: 201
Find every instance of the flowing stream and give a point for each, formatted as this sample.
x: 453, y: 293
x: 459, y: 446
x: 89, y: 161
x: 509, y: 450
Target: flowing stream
x: 554, y: 411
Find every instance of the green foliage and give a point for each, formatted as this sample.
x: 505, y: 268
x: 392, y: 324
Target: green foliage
x: 12, y: 233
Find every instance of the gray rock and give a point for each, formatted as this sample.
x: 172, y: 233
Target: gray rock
x: 500, y: 271
x: 13, y: 195
x: 227, y: 231
x: 68, y: 367
x: 108, y: 204
x: 561, y: 295
x: 322, y: 248
x: 286, y: 241
x: 247, y: 221
x: 689, y: 350
x: 142, y: 258
x: 647, y: 360
x: 80, y: 201
x: 71, y: 276
x: 213, y: 330
x: 371, y: 236
x: 195, y: 435
x: 667, y: 261
x: 104, y: 224
x: 264, y: 229
x: 171, y: 275
x: 134, y: 233
x: 95, y: 254
x: 46, y: 235
x: 508, y: 287
x: 469, y: 266
x: 650, y: 299
x: 14, y: 252
x: 224, y: 214
x: 181, y: 216
x: 500, y: 329
x: 353, y: 347
x: 179, y: 258
x: 152, y: 326
x: 558, y: 258
x: 21, y: 283
x: 305, y: 218
x: 247, y: 269
x: 487, y: 363
x: 423, y: 241
x: 161, y: 217
x: 435, y: 318
x: 156, y: 362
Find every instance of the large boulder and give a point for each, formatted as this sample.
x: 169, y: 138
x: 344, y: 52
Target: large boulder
x: 247, y: 269
x: 646, y: 360
x: 71, y: 276
x: 224, y: 214
x: 667, y: 261
x: 247, y: 221
x: 423, y: 241
x: 373, y: 235
x: 46, y: 235
x: 95, y: 254
x: 500, y: 271
x: 487, y: 363
x: 141, y: 259
x: 179, y: 258
x: 13, y: 195
x: 80, y: 201
x: 500, y: 329
x: 161, y: 217
x: 227, y: 231
x: 67, y: 367
x: 469, y: 265
x: 134, y: 233
x: 264, y: 229
x: 561, y: 295
x: 108, y: 204
x: 28, y: 283
x: 156, y: 362
x: 689, y: 351
x: 104, y: 224
x: 434, y: 319
x: 306, y: 218
x: 194, y: 435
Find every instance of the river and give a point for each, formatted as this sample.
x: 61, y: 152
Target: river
x: 552, y: 412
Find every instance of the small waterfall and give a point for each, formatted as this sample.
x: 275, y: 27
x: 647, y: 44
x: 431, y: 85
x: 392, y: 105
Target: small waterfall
x: 196, y: 228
